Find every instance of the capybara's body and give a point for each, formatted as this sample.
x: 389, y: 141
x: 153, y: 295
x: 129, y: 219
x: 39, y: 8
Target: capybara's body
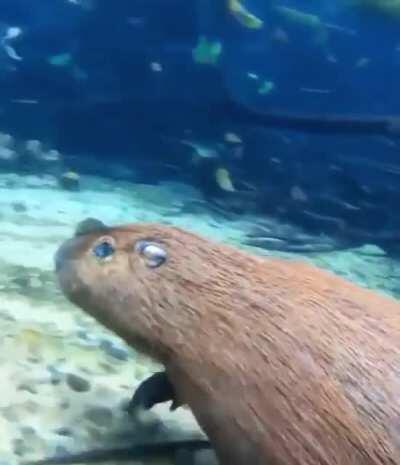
x: 281, y: 363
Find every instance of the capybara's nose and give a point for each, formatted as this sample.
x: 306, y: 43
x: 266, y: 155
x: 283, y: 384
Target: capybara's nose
x: 88, y: 226
x: 62, y: 254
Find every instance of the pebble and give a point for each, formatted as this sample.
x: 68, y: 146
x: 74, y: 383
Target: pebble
x: 19, y: 207
x: 77, y: 383
x: 63, y: 431
x: 27, y: 387
x: 112, y: 351
x: 101, y: 416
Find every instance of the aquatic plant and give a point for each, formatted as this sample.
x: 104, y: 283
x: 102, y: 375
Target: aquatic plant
x: 243, y: 16
x: 207, y: 51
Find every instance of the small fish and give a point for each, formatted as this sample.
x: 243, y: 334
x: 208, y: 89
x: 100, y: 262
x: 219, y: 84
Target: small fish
x: 156, y: 67
x: 25, y: 101
x: 232, y: 138
x: 253, y: 76
x: 316, y: 91
x: 201, y: 150
x: 11, y: 34
x: 223, y: 179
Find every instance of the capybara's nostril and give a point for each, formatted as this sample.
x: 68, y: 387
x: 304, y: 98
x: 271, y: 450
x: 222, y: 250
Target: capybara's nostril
x: 64, y: 253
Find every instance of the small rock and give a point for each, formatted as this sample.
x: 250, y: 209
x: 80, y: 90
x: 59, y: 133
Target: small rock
x: 19, y: 207
x: 70, y: 181
x: 101, y: 416
x: 63, y: 431
x: 112, y: 351
x: 77, y: 383
x: 56, y: 375
x: 27, y: 387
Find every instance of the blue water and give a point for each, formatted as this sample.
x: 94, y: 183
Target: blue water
x: 122, y: 83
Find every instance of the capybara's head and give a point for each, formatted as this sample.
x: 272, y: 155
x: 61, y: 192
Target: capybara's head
x: 146, y: 282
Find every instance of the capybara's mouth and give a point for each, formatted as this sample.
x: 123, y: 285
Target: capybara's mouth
x: 63, y: 254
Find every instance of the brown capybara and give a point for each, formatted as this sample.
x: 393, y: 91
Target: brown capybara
x: 281, y: 363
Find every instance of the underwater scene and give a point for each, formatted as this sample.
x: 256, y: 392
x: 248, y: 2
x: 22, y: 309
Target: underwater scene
x: 269, y: 126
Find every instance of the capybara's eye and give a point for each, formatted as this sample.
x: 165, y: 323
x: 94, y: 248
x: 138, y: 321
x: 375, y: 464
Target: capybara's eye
x: 154, y: 253
x: 104, y: 248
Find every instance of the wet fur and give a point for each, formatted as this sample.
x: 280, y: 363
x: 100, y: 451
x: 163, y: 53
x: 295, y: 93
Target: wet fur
x: 281, y: 363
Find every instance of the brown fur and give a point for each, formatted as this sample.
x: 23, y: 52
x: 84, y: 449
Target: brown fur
x: 281, y: 363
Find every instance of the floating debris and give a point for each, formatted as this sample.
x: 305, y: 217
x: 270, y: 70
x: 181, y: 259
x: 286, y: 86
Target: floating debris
x: 62, y: 59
